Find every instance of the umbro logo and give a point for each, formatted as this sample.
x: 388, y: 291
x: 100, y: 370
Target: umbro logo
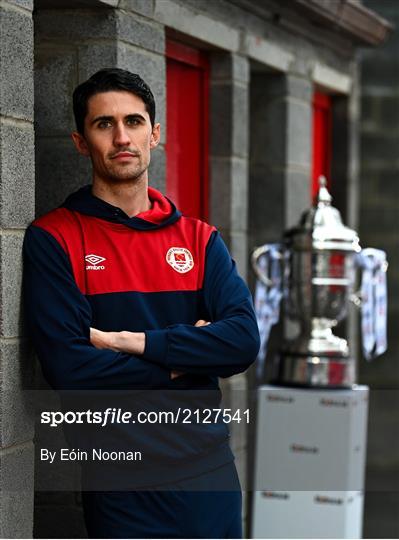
x: 94, y: 261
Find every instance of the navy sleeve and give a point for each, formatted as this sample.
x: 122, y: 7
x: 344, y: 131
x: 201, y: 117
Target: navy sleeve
x: 227, y: 346
x: 58, y: 316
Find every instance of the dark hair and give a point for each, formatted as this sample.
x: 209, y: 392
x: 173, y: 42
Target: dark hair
x: 108, y: 80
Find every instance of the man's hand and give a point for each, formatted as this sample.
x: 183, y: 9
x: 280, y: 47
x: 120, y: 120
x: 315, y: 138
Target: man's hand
x: 102, y: 340
x: 201, y: 322
x: 130, y: 342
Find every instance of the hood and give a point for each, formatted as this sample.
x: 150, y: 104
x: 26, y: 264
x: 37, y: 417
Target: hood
x: 162, y: 212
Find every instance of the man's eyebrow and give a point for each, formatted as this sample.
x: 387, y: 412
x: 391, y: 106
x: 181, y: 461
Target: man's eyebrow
x: 135, y: 115
x: 110, y: 118
x: 102, y: 119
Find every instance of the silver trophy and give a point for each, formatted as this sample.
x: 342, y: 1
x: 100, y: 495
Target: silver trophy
x: 318, y: 262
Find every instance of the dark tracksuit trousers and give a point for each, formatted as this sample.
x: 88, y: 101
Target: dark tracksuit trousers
x: 192, y: 508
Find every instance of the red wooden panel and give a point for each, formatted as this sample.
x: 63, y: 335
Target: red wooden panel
x: 185, y: 53
x: 187, y: 75
x: 322, y: 130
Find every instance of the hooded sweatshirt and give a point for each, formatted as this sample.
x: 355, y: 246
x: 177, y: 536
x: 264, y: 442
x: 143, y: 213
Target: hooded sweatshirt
x: 88, y: 264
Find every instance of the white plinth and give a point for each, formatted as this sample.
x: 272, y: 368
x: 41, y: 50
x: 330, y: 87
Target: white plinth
x: 310, y: 461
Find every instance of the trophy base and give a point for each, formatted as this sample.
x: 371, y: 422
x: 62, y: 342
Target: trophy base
x: 315, y: 371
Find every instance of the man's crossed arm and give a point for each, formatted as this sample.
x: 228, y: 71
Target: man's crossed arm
x: 128, y: 342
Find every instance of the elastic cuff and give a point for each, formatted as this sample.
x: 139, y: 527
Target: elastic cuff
x: 156, y: 346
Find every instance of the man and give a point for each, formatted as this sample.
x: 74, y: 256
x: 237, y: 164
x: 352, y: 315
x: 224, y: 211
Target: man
x: 123, y: 292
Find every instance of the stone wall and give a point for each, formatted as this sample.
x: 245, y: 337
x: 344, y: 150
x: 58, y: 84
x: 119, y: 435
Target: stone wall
x: 16, y: 211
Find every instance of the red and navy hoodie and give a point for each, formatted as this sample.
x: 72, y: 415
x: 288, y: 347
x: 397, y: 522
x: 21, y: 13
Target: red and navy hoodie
x: 88, y: 264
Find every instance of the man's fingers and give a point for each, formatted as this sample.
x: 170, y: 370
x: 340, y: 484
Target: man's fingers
x: 100, y: 339
x: 93, y: 333
x: 175, y: 374
x: 201, y: 322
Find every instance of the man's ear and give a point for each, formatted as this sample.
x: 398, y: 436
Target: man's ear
x: 80, y: 143
x: 155, y: 135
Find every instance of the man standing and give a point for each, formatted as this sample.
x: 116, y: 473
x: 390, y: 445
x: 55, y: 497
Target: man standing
x: 123, y: 292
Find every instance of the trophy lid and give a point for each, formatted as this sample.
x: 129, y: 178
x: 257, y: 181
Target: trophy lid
x: 322, y: 226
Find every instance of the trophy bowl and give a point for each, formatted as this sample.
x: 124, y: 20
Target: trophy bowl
x: 318, y: 265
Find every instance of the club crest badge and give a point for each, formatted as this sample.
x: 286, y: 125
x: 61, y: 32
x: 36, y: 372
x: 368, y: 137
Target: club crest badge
x: 180, y: 259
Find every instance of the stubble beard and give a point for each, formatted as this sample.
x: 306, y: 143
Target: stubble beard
x: 119, y: 174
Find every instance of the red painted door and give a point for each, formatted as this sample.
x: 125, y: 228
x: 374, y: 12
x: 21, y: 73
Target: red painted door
x: 322, y: 127
x: 187, y: 75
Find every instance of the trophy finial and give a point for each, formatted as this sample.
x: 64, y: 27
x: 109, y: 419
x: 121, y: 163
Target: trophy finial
x: 324, y: 197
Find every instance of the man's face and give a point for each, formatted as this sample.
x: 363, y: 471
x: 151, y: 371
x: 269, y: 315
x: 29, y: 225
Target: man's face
x: 118, y: 137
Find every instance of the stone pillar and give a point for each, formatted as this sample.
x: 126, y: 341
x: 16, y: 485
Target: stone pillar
x: 16, y: 211
x: 229, y: 89
x: 280, y: 160
x: 229, y: 152
x: 71, y: 45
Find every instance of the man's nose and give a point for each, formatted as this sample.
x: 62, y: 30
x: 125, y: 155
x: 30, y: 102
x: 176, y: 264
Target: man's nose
x: 121, y: 136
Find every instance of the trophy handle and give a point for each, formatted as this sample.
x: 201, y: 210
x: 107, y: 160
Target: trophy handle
x: 269, y: 251
x: 356, y: 298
